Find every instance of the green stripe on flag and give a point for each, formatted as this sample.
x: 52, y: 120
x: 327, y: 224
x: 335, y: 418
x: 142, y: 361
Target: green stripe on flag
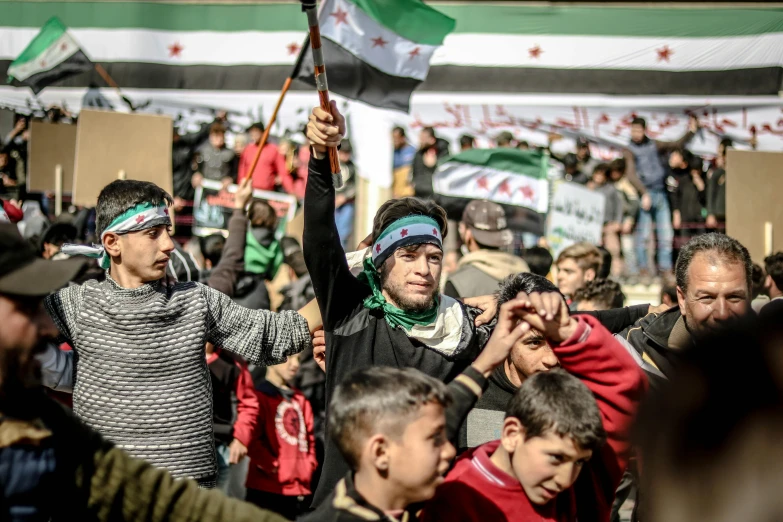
x: 525, y: 162
x: 50, y: 33
x: 692, y: 22
x: 411, y: 19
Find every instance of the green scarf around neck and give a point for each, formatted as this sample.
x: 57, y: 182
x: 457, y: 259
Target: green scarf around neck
x: 260, y: 259
x: 394, y: 316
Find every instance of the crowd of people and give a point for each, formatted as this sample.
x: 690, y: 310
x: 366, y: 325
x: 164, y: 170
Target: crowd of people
x: 658, y: 194
x: 398, y: 380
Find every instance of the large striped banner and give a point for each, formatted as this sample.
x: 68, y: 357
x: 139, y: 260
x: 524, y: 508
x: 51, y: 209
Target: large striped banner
x: 494, y: 48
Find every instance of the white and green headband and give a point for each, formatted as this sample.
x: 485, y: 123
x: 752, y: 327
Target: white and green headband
x: 410, y: 230
x: 140, y: 217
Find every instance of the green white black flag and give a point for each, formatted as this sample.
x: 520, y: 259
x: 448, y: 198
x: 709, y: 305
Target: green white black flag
x: 51, y: 56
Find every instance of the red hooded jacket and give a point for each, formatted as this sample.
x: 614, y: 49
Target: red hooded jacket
x: 282, y: 455
x: 477, y: 490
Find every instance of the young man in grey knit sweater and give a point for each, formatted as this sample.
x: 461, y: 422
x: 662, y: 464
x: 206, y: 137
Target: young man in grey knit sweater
x: 141, y: 377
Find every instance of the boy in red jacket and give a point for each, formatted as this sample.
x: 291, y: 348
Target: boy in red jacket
x: 282, y: 456
x: 553, y: 434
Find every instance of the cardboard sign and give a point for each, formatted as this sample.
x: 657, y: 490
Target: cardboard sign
x: 108, y: 143
x: 754, y: 215
x: 212, y: 207
x: 51, y: 144
x: 576, y: 215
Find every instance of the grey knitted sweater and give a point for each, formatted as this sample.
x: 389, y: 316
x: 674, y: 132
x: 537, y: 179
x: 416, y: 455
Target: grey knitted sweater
x: 141, y: 377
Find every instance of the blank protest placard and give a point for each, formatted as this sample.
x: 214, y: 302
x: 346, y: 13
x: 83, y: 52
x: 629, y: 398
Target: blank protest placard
x: 110, y: 142
x: 754, y: 181
x: 51, y: 144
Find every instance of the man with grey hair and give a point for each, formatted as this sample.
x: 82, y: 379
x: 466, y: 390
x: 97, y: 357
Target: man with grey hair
x: 714, y: 274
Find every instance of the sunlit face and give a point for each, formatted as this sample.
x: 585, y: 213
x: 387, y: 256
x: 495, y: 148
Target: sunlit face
x: 530, y: 355
x: 545, y: 465
x: 637, y: 133
x: 570, y: 277
x: 676, y: 160
x: 418, y: 460
x: 716, y: 292
x: 287, y: 370
x: 23, y: 331
x: 410, y: 277
x: 217, y: 140
x: 145, y: 253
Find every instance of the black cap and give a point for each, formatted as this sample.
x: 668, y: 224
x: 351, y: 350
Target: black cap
x: 23, y: 273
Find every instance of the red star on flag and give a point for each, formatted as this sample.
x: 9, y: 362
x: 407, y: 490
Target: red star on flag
x: 378, y: 248
x: 379, y: 42
x: 527, y: 192
x: 664, y: 53
x: 64, y: 46
x: 404, y: 232
x: 175, y: 50
x: 166, y: 211
x: 293, y: 48
x: 43, y: 63
x: 340, y: 16
x: 535, y: 52
x: 139, y: 218
x: 435, y: 232
x: 483, y: 183
x: 414, y: 53
x: 504, y: 187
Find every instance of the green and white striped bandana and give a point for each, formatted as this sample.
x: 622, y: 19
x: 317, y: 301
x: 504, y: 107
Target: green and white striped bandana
x: 140, y: 217
x: 410, y: 230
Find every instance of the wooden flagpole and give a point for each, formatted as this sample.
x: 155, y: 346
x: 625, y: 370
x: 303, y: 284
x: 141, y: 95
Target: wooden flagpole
x: 308, y: 6
x: 283, y: 91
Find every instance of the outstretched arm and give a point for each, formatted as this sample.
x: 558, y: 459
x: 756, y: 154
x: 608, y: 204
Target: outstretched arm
x: 260, y: 336
x: 337, y: 291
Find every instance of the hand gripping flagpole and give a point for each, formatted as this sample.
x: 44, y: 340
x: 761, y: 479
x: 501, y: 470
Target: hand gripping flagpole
x: 308, y: 6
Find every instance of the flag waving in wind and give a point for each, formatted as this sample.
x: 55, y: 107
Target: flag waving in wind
x: 377, y: 51
x: 51, y: 56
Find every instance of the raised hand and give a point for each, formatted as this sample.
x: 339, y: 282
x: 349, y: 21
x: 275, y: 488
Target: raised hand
x: 244, y: 193
x: 325, y: 130
x: 507, y: 332
x: 548, y: 313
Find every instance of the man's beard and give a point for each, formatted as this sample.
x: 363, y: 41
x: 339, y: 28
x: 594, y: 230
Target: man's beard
x: 410, y: 304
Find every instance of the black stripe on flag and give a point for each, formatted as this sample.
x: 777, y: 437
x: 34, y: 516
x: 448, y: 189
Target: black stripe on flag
x: 75, y: 64
x: 354, y: 78
x: 447, y: 78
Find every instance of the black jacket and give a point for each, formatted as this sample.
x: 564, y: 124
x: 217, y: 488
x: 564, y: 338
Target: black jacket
x: 422, y: 174
x: 716, y: 194
x: 659, y: 339
x: 356, y: 337
x: 689, y: 200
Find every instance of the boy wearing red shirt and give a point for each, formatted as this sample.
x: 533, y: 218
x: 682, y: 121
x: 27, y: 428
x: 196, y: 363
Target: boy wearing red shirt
x: 282, y: 456
x: 554, y: 432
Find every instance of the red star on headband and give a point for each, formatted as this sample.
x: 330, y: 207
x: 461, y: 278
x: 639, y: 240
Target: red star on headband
x: 404, y: 232
x: 378, y: 248
x: 139, y: 218
x: 435, y: 232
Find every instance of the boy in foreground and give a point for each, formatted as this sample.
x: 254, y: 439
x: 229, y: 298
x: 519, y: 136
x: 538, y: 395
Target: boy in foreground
x: 554, y: 432
x: 141, y: 373
x: 394, y: 426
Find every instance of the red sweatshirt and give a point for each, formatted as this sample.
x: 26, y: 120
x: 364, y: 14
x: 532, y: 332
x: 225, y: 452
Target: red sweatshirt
x: 282, y: 456
x: 271, y: 165
x: 476, y: 490
x: 12, y: 212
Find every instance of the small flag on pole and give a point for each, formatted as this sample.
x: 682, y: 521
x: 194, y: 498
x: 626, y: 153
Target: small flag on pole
x: 51, y: 56
x: 377, y: 51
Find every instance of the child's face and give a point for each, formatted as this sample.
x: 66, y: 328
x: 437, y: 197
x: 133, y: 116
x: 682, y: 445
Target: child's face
x: 287, y: 370
x: 615, y: 175
x: 545, y: 465
x: 419, y: 459
x: 145, y: 253
x: 599, y: 177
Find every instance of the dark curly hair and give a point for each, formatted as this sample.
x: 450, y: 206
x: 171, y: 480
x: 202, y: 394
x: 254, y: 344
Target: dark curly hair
x: 605, y: 294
